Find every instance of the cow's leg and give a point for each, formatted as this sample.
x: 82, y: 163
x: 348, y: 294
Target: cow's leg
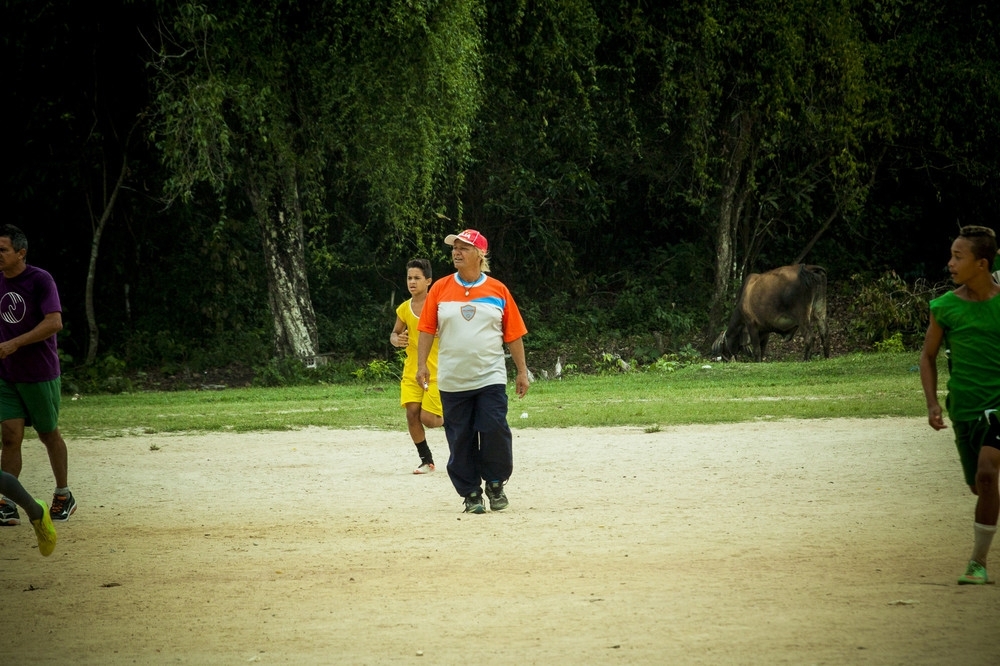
x: 809, y: 337
x: 824, y: 337
x: 759, y: 345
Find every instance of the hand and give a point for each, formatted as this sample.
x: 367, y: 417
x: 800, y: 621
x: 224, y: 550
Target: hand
x: 423, y: 377
x: 402, y: 339
x: 521, y: 384
x: 934, y: 417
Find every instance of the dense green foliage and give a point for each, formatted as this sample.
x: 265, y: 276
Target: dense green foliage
x: 629, y: 162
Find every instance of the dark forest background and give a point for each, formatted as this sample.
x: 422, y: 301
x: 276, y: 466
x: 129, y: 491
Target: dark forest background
x: 236, y: 184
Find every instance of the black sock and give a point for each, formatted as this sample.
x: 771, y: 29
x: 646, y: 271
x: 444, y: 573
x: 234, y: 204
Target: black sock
x: 425, y: 452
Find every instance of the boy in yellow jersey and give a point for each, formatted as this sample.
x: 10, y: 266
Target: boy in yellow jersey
x: 422, y: 403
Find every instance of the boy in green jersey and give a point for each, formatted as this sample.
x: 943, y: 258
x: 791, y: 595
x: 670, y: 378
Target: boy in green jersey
x: 967, y: 322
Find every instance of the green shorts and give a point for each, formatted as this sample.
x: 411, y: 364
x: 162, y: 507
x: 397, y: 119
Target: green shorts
x: 35, y: 402
x: 971, y: 437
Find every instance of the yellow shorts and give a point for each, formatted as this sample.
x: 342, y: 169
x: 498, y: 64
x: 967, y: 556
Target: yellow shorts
x: 430, y: 400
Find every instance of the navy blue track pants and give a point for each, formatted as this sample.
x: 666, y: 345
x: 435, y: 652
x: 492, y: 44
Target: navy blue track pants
x: 479, y: 439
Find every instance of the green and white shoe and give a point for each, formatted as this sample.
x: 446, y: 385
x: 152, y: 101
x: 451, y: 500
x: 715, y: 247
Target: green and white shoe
x: 975, y: 574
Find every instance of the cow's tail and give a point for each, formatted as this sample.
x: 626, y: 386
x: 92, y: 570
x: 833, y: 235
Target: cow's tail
x: 815, y: 278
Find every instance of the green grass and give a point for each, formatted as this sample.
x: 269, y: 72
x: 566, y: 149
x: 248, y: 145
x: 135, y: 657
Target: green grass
x: 869, y: 385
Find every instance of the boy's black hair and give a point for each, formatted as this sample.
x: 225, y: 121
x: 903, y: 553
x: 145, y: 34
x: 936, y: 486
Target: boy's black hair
x: 983, y: 241
x: 422, y: 264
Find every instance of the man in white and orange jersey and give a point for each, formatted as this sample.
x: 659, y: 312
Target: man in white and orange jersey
x: 474, y: 315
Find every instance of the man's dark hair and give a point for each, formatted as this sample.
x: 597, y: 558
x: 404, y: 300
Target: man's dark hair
x: 983, y: 241
x: 17, y: 238
x: 422, y: 264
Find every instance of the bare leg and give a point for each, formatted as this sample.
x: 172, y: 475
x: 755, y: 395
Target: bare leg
x: 431, y: 420
x: 413, y: 422
x: 58, y: 458
x: 988, y: 502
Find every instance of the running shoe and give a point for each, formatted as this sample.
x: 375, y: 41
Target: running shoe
x: 426, y: 468
x: 496, y: 496
x: 45, y: 531
x: 63, y: 507
x: 9, y: 517
x: 975, y: 574
x: 474, y: 503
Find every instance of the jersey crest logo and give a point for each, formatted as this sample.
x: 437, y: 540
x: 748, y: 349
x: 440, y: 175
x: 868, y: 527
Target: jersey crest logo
x: 12, y: 307
x: 468, y: 312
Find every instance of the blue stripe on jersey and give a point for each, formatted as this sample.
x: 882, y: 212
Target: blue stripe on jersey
x: 491, y: 300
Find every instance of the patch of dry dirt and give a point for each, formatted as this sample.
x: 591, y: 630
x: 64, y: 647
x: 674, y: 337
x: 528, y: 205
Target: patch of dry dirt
x: 821, y: 542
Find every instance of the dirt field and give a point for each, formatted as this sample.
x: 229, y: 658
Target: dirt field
x: 795, y: 542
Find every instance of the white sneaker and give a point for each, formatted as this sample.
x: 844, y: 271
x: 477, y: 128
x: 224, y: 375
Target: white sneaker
x: 426, y: 468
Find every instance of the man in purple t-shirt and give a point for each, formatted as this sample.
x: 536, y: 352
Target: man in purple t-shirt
x: 30, y: 383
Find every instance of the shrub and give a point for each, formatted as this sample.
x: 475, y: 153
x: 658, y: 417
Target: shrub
x: 281, y: 372
x: 375, y: 371
x: 891, y: 345
x: 684, y: 356
x: 888, y: 307
x: 105, y: 375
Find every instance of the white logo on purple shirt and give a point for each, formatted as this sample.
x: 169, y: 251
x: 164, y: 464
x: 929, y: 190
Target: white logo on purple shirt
x: 12, y: 307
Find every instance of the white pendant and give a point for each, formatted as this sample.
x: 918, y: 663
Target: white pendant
x: 466, y: 292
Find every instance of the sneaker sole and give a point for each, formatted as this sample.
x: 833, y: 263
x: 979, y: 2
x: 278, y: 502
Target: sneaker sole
x: 63, y: 519
x: 12, y: 521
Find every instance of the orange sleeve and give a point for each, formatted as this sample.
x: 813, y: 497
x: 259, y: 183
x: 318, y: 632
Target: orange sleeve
x: 429, y: 313
x: 513, y: 324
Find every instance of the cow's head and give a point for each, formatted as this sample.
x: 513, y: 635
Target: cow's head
x: 719, y: 345
x: 731, y: 342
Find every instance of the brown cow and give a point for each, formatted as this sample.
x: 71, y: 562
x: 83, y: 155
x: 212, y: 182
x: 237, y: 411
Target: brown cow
x: 784, y: 301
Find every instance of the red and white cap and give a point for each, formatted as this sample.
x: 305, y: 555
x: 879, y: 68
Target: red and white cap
x: 470, y: 236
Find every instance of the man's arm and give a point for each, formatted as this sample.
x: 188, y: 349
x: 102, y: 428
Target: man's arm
x: 46, y: 328
x: 517, y: 353
x: 929, y: 374
x: 424, y: 344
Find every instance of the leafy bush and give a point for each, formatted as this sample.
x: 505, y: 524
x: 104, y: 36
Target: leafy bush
x: 105, y: 375
x: 377, y: 370
x: 281, y: 372
x: 293, y: 372
x: 687, y: 355
x: 891, y: 345
x: 888, y: 306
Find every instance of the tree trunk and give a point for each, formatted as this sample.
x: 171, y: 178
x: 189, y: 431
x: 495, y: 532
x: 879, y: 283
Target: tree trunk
x: 731, y: 203
x: 95, y: 245
x: 280, y: 217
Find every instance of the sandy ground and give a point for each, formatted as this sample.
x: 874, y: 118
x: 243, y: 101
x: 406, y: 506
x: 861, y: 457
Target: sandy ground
x: 794, y: 542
